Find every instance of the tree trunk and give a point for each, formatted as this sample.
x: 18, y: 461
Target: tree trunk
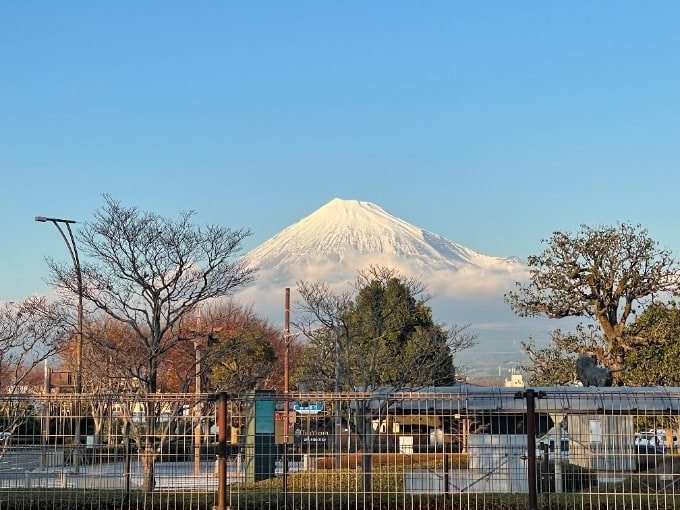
x: 148, y: 458
x: 148, y: 454
x: 365, y: 435
x: 98, y: 417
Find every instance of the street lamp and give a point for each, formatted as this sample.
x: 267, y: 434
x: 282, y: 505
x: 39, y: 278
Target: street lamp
x: 73, y: 251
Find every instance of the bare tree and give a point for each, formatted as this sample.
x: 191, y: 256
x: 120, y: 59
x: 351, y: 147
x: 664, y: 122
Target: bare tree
x: 110, y: 359
x: 30, y: 332
x: 150, y: 273
x: 601, y: 274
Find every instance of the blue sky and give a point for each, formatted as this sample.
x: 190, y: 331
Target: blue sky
x: 490, y: 123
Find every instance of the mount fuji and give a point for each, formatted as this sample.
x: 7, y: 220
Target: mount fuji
x: 343, y: 231
x: 345, y: 236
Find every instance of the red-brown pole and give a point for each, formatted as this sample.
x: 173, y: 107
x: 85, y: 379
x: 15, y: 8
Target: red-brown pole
x: 222, y: 452
x: 287, y: 341
x: 286, y: 362
x: 286, y: 388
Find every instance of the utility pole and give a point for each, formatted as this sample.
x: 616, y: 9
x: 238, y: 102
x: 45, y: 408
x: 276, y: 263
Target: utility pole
x: 286, y: 389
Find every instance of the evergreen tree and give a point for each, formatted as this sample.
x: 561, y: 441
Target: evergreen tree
x: 383, y: 336
x: 655, y: 362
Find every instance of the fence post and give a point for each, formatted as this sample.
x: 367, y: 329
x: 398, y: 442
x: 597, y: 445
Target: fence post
x: 221, y: 452
x: 530, y: 426
x: 447, y: 467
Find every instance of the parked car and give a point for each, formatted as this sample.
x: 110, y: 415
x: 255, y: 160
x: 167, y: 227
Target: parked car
x: 656, y: 438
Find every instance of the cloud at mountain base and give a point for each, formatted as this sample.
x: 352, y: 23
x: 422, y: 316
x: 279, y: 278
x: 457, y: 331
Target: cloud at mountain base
x: 345, y: 236
x: 476, y: 282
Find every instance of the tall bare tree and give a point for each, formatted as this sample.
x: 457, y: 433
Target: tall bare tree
x: 599, y: 273
x: 149, y: 273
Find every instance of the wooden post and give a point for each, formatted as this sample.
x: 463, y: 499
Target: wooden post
x: 221, y: 452
x: 286, y: 389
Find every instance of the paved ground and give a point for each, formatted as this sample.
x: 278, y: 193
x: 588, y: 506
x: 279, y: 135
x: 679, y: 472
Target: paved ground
x: 32, y: 468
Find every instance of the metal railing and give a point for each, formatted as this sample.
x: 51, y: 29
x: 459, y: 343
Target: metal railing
x: 457, y: 447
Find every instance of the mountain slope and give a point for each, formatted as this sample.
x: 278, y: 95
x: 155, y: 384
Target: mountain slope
x: 344, y: 233
x: 345, y: 236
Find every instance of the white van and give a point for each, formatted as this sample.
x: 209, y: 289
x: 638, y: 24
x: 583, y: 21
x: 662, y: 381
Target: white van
x: 656, y: 438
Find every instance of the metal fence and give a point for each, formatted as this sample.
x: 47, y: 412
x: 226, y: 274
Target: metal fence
x: 455, y: 447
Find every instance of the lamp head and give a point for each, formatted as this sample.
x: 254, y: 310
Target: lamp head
x: 53, y: 220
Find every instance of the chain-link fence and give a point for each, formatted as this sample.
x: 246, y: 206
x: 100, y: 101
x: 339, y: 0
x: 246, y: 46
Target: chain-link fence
x: 457, y: 447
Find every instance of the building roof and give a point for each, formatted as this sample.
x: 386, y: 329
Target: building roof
x: 465, y: 399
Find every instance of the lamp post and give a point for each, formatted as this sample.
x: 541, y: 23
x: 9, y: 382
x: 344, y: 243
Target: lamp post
x: 73, y: 251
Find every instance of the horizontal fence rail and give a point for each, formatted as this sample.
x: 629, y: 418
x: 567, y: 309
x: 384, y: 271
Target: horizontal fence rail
x: 455, y: 447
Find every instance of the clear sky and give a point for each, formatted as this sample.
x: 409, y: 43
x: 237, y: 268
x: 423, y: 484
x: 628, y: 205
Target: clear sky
x: 490, y: 123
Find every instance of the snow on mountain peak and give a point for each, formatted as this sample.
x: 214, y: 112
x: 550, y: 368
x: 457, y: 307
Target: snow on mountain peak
x: 343, y: 237
x: 345, y: 233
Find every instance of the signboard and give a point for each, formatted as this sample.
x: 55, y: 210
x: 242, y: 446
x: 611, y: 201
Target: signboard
x: 310, y: 409
x: 263, y: 415
x: 312, y: 438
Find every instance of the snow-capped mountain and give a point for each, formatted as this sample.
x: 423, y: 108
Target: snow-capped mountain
x: 344, y: 236
x: 334, y: 243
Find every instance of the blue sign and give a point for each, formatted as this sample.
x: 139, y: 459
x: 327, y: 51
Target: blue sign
x: 310, y: 409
